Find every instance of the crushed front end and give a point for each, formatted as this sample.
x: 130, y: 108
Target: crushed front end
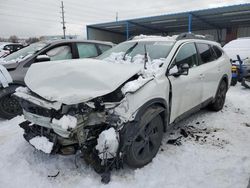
x: 91, y: 127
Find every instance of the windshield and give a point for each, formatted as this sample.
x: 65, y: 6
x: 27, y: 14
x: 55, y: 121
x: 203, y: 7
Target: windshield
x: 155, y: 49
x: 27, y: 51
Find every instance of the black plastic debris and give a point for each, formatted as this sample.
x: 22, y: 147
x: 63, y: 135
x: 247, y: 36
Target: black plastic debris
x: 54, y: 176
x: 197, y: 138
x: 184, y: 133
x: 175, y: 141
x: 247, y: 124
x: 106, y: 176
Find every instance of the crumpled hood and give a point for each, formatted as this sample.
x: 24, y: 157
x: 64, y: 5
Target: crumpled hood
x: 76, y: 81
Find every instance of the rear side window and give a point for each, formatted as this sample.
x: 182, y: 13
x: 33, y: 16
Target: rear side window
x: 187, y: 54
x: 217, y: 51
x: 86, y: 50
x: 206, y: 53
x: 103, y: 48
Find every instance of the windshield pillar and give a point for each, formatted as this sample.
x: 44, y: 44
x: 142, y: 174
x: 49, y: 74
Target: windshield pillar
x: 127, y: 30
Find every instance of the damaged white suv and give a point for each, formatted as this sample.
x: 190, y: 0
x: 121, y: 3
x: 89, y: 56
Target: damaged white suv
x: 116, y: 108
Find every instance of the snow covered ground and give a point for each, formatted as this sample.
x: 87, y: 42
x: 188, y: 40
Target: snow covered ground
x: 214, y: 151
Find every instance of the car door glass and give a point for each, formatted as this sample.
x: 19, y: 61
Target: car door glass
x: 60, y: 53
x: 217, y: 51
x: 86, y: 50
x: 104, y: 48
x: 205, y: 53
x: 187, y: 55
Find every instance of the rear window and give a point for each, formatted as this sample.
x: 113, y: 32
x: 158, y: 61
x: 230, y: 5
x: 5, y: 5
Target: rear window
x: 86, y: 50
x: 217, y: 51
x: 206, y: 53
x: 103, y: 48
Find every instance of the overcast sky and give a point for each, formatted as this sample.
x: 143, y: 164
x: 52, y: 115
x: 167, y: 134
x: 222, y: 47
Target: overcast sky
x: 26, y: 18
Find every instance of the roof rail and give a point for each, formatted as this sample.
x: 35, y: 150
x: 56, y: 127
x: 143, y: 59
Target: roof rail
x: 184, y: 36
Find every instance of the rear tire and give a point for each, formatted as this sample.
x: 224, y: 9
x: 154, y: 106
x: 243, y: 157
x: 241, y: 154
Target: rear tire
x: 9, y: 106
x: 146, y: 142
x: 220, y: 98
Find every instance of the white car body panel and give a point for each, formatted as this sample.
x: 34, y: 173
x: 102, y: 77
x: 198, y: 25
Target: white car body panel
x: 155, y: 89
x: 186, y: 92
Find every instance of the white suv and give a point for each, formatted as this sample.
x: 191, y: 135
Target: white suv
x: 117, y: 106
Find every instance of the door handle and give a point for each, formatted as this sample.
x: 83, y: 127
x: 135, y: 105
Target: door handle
x: 219, y: 68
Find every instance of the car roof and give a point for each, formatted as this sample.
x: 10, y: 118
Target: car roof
x: 174, y: 38
x: 76, y: 40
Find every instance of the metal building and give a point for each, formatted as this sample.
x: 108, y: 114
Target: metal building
x: 223, y: 23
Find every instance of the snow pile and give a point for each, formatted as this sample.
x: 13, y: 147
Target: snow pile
x: 141, y: 36
x: 42, y: 143
x: 66, y: 122
x: 23, y: 90
x: 17, y: 60
x: 107, y: 144
x: 134, y: 85
x: 153, y: 67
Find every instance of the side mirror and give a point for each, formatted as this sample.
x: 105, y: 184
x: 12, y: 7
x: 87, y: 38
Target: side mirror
x: 41, y: 58
x: 183, y: 69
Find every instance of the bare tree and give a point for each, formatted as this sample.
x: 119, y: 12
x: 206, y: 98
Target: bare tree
x: 32, y: 40
x: 13, y: 39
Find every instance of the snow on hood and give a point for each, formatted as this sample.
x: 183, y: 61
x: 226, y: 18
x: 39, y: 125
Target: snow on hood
x: 76, y: 81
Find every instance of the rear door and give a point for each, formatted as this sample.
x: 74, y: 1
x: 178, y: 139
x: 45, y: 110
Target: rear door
x: 186, y: 89
x: 210, y: 68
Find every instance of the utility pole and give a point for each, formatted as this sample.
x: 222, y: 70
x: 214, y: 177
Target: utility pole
x: 63, y: 21
x: 116, y: 16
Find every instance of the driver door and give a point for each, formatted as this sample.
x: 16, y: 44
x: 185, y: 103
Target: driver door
x: 186, y: 89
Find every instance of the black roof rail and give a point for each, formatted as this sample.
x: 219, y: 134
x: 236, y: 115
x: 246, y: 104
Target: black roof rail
x: 184, y: 36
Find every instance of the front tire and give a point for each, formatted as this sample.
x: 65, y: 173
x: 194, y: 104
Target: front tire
x: 146, y: 142
x: 220, y: 98
x: 9, y: 106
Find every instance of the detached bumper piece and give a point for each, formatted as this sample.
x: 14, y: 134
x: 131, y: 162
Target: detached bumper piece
x: 32, y: 131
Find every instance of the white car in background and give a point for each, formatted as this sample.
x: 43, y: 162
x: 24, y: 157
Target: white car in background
x: 241, y: 47
x: 115, y: 108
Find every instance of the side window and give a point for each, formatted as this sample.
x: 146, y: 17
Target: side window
x: 60, y: 53
x: 86, y: 50
x: 187, y: 54
x: 103, y: 48
x: 217, y: 51
x: 206, y: 53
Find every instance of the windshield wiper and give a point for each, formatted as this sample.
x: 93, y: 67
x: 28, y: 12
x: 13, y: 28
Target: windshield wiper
x: 129, y: 50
